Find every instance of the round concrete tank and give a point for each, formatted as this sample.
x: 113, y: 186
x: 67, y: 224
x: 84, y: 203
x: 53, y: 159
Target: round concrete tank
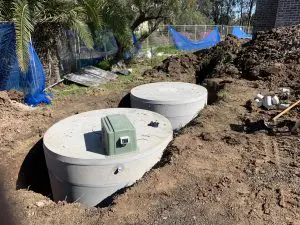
x: 179, y: 102
x: 78, y: 167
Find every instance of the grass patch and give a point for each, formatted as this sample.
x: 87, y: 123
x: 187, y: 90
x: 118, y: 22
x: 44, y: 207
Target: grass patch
x: 138, y: 66
x: 167, y: 50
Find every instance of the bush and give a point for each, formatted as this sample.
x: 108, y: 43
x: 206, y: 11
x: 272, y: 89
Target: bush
x: 105, y: 64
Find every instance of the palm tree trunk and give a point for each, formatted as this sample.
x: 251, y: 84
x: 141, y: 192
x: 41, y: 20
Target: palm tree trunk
x: 46, y: 38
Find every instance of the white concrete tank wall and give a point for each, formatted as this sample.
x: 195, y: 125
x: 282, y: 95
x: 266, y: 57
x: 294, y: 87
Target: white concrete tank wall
x: 179, y: 102
x: 78, y: 168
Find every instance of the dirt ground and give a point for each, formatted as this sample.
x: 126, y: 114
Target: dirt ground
x: 211, y: 173
x: 223, y: 168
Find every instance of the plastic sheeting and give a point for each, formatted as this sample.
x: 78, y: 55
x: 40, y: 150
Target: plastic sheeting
x: 31, y: 82
x: 240, y: 33
x: 135, y: 49
x: 181, y: 42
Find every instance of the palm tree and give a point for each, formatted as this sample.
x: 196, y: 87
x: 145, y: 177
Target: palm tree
x: 45, y: 21
x: 27, y: 15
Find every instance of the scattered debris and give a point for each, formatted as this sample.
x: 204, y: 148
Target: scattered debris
x: 295, y: 129
x: 91, y: 76
x: 274, y: 101
x: 153, y: 124
x: 283, y: 106
x: 121, y: 68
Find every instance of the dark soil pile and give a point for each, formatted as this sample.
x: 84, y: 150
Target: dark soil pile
x: 219, y: 61
x: 272, y: 58
x: 202, y: 64
x: 178, y: 68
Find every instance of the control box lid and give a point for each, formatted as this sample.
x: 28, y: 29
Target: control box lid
x: 119, y: 122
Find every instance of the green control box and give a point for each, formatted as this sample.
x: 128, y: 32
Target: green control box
x: 118, y: 135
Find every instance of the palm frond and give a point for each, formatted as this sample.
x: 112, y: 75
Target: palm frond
x: 23, y: 28
x: 92, y: 10
x: 71, y: 15
x: 83, y: 32
x: 5, y: 10
x: 116, y: 20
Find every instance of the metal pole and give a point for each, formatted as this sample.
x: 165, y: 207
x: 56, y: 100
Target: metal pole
x: 168, y: 37
x: 79, y: 52
x: 195, y: 32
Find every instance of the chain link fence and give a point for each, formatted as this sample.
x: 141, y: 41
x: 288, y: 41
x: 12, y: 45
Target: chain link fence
x: 74, y: 55
x: 162, y: 38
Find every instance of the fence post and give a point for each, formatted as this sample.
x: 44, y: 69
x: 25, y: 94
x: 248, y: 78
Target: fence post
x: 226, y: 30
x: 168, y: 36
x: 205, y: 28
x: 195, y: 33
x: 79, y: 52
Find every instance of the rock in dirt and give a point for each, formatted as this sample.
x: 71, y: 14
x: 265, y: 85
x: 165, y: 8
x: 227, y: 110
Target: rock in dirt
x: 206, y: 136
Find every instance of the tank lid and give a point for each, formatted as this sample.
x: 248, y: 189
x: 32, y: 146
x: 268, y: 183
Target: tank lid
x: 79, y: 136
x: 169, y: 92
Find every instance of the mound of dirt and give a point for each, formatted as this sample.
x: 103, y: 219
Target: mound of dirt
x: 4, y: 99
x: 15, y: 96
x: 197, y: 66
x: 219, y: 61
x: 272, y: 58
x: 178, y: 68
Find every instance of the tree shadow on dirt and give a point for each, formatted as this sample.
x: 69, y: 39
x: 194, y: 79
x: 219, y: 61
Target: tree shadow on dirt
x: 33, y: 174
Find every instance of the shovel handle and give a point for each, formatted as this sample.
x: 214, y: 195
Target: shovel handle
x: 286, y: 110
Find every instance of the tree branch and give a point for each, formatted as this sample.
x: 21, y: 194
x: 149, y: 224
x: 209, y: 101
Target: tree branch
x: 150, y: 31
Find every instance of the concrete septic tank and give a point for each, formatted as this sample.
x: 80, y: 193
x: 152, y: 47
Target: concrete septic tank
x: 179, y: 102
x: 78, y: 166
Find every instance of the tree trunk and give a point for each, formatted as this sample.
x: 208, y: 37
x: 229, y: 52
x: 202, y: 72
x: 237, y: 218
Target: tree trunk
x: 45, y: 38
x: 242, y: 6
x: 121, y: 50
x: 250, y: 12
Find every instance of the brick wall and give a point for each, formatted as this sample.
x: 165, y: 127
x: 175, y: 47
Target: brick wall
x: 276, y: 13
x: 288, y: 13
x: 265, y: 15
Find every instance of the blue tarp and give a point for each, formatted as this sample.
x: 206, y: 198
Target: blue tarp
x: 136, y: 47
x: 240, y: 33
x: 31, y: 82
x: 181, y: 42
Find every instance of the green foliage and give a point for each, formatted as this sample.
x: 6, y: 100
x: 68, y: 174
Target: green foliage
x: 23, y: 28
x: 27, y: 14
x: 190, y: 14
x: 167, y: 49
x: 105, y: 64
